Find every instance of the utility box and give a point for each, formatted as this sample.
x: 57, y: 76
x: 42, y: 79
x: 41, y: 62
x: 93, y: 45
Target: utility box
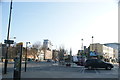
x: 17, y: 62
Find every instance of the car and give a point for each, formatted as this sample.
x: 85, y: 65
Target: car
x: 97, y: 63
x: 49, y: 60
x: 29, y: 59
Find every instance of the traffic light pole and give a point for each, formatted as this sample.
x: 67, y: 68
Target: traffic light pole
x: 6, y: 55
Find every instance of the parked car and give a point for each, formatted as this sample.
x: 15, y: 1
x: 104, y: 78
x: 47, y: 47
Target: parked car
x: 29, y: 59
x: 96, y: 63
x: 49, y: 60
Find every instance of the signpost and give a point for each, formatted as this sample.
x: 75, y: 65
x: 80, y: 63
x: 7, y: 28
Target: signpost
x: 17, y: 62
x: 8, y: 42
x: 8, y: 34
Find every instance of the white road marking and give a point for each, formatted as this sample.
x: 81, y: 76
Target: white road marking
x: 83, y: 71
x: 96, y: 71
x: 80, y: 70
x: 116, y: 70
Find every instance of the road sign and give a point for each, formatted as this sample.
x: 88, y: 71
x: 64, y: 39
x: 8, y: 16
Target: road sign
x: 8, y: 41
x: 21, y: 43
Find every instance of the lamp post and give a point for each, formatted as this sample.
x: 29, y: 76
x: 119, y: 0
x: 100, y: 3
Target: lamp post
x: 82, y: 45
x: 7, y: 44
x: 82, y: 48
x: 26, y: 55
x: 70, y: 55
x: 92, y: 43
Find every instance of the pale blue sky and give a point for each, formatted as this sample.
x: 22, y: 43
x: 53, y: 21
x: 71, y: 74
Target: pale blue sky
x: 64, y: 23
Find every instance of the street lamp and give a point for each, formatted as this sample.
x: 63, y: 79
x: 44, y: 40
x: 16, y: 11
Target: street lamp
x: 26, y: 55
x: 7, y: 44
x: 70, y: 55
x: 82, y: 48
x: 82, y: 45
x: 92, y: 39
x: 92, y: 42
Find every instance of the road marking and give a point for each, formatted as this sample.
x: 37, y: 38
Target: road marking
x: 83, y: 71
x: 116, y: 70
x: 96, y: 71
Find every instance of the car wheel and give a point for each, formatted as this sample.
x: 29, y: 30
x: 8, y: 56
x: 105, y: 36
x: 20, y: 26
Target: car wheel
x: 108, y: 67
x: 89, y: 67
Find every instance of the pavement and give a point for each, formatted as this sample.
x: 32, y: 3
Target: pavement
x: 1, y: 70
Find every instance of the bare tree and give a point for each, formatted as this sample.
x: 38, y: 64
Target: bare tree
x: 61, y: 53
x: 24, y: 52
x: 44, y: 50
x: 37, y: 45
x: 35, y: 48
x: 12, y: 52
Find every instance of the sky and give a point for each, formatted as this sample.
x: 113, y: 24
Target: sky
x: 63, y: 23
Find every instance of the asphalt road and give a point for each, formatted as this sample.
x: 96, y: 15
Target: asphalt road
x: 53, y: 70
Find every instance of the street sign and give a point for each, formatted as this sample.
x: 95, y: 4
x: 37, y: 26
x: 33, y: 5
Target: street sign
x: 8, y: 41
x: 21, y: 43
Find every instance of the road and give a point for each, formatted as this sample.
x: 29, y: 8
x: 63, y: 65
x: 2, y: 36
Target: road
x: 52, y: 70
